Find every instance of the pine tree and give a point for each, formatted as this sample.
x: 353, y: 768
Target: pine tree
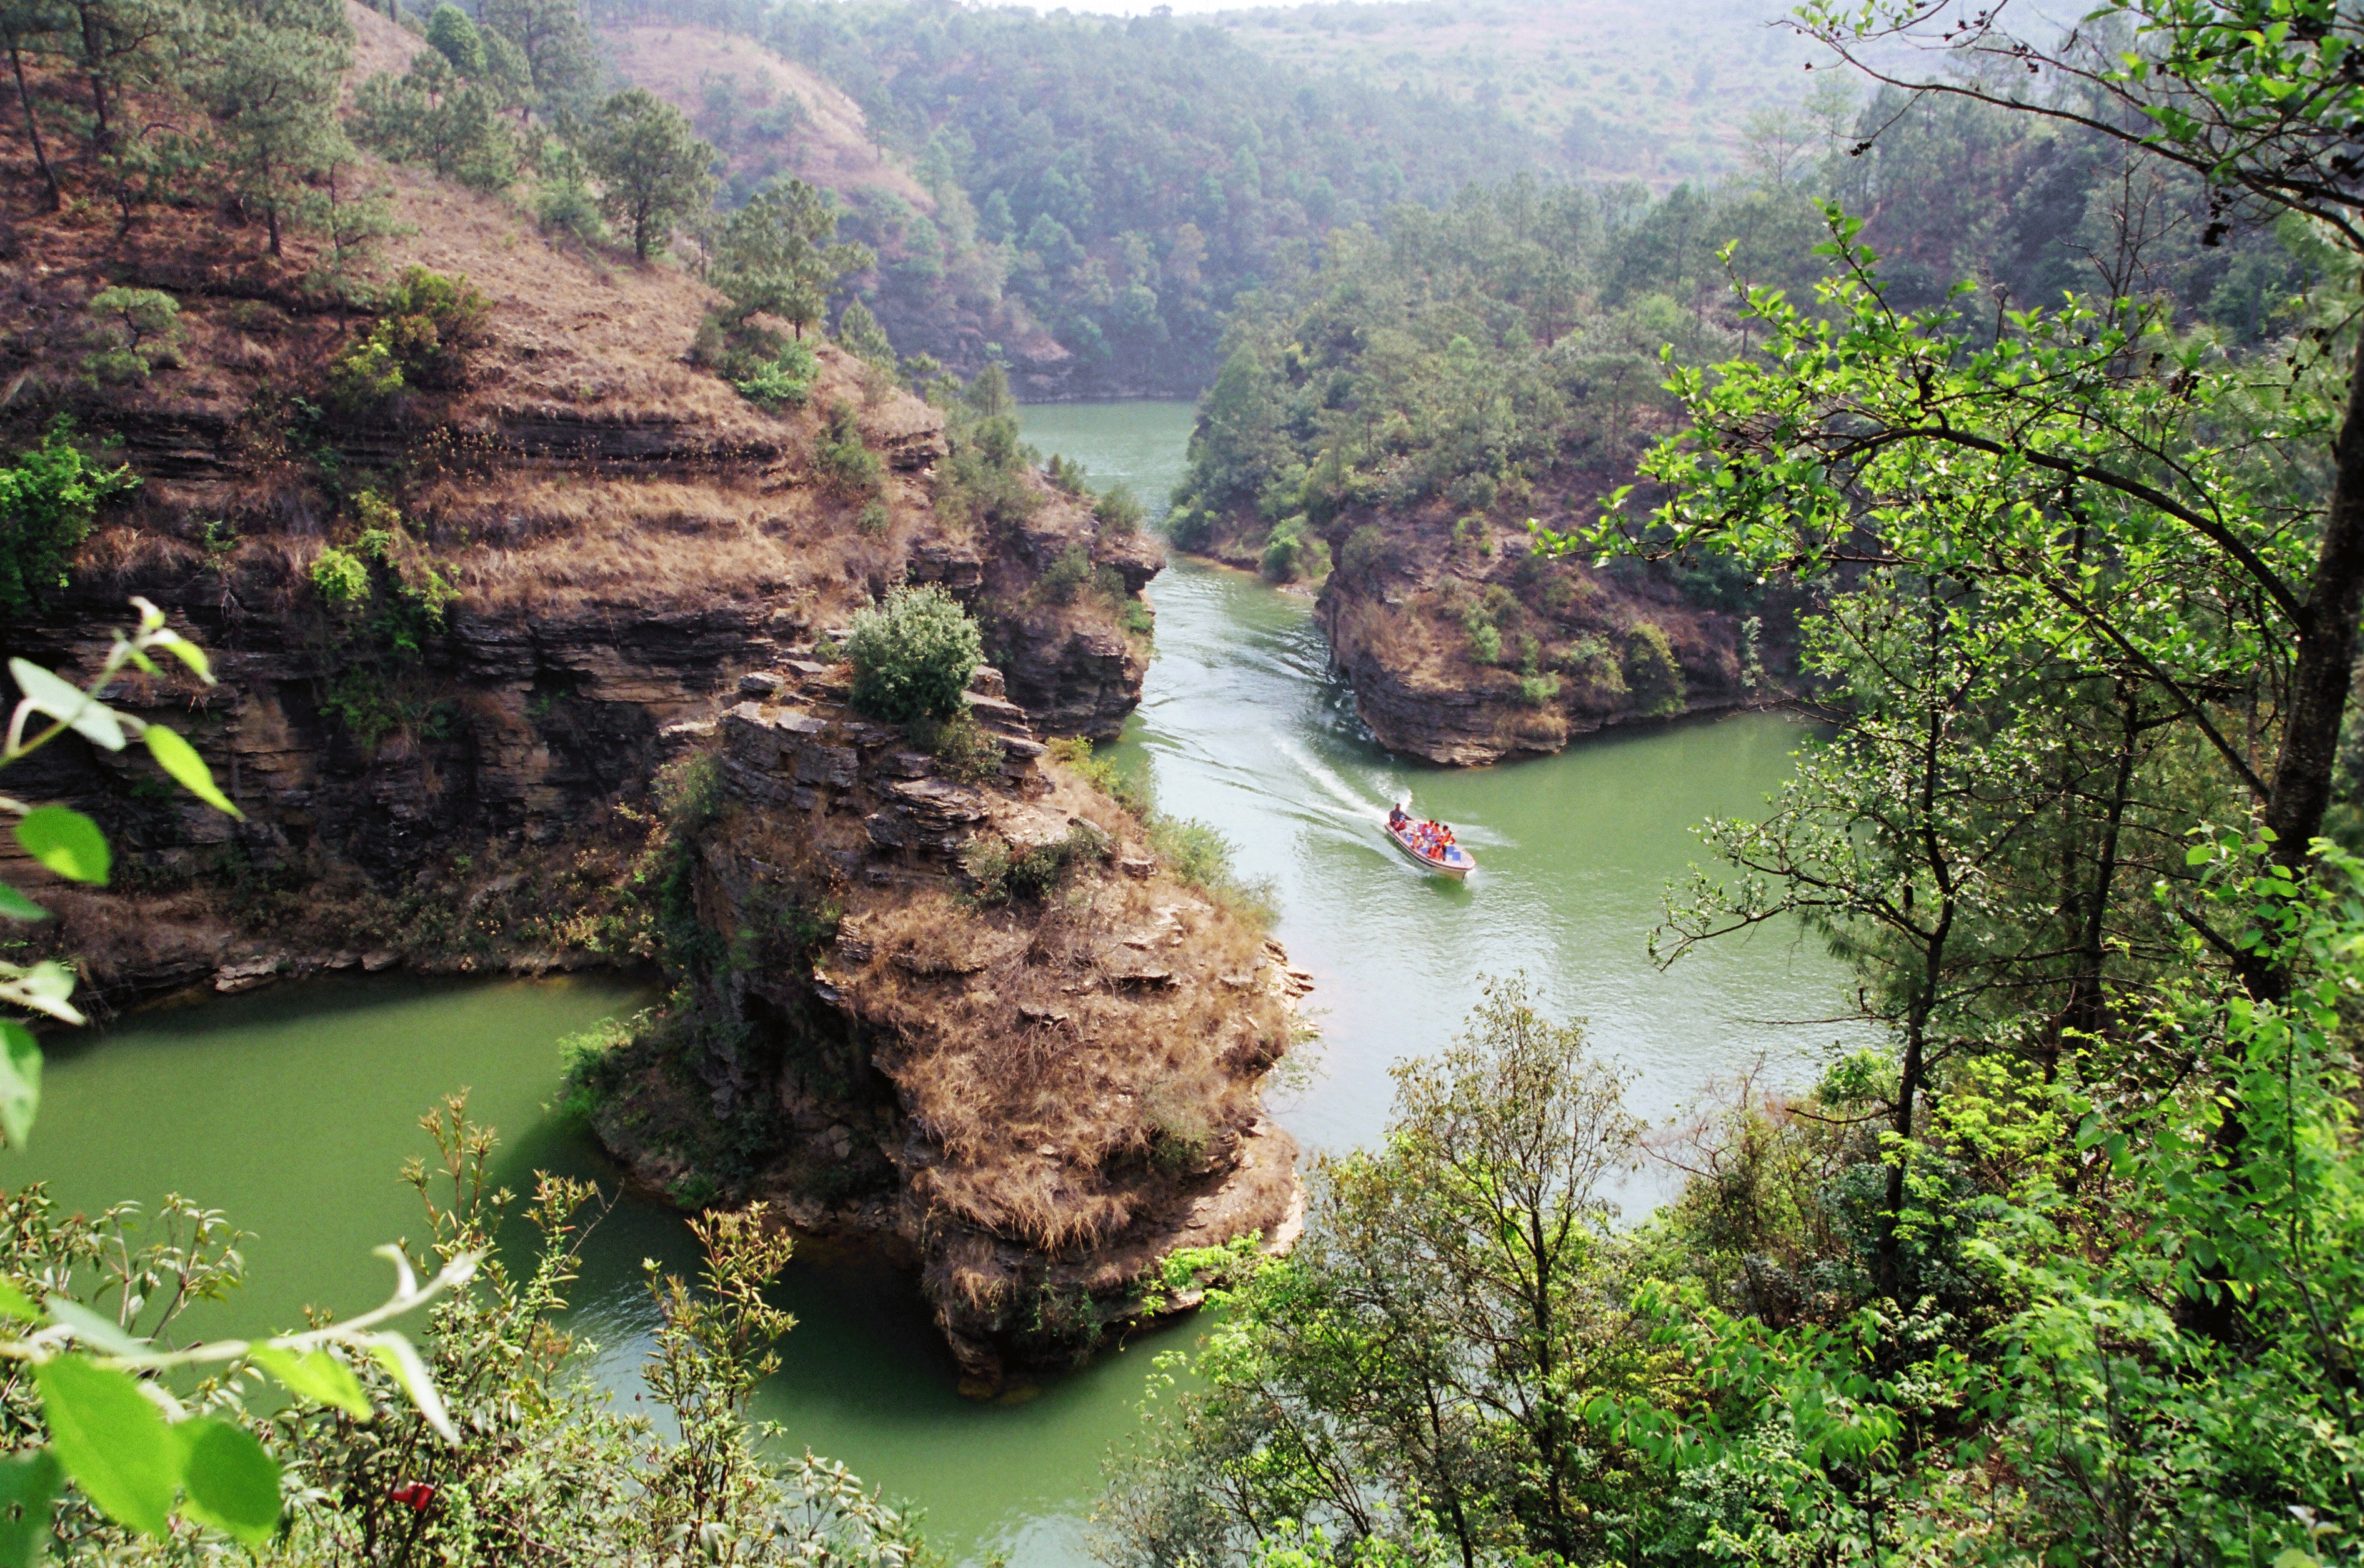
x: 272, y: 94
x: 858, y: 333
x: 777, y: 254
x: 431, y: 116
x: 24, y: 25
x: 655, y: 168
x: 455, y: 38
x: 561, y: 62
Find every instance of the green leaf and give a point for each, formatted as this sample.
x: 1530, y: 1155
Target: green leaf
x: 28, y: 1498
x: 46, y: 987
x: 16, y: 1303
x: 180, y: 759
x: 402, y: 1359
x: 66, y: 842
x: 112, y: 1440
x: 316, y: 1376
x: 17, y: 906
x: 91, y: 719
x: 20, y: 1084
x: 92, y: 1329
x: 180, y: 647
x: 228, y: 1482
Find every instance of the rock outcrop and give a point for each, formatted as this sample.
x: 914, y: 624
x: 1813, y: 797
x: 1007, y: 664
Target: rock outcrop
x: 1037, y: 1084
x: 1463, y: 647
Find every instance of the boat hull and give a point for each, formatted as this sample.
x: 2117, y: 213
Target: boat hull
x: 1458, y: 866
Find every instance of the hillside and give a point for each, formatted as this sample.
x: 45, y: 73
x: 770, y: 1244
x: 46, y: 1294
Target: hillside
x: 1650, y: 90
x: 768, y: 116
x: 1101, y: 190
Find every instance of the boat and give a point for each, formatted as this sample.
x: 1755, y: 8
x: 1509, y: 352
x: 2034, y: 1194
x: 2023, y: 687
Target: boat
x: 1454, y: 862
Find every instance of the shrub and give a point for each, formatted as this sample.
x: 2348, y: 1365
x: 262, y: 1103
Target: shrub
x: 784, y: 380
x: 588, y: 1071
x: 1000, y: 872
x: 1176, y: 1120
x: 1539, y: 690
x: 1486, y: 643
x: 843, y: 462
x: 1065, y: 473
x: 1365, y: 549
x: 1652, y: 673
x: 1131, y: 793
x: 1292, y: 554
x: 1190, y: 528
x: 961, y: 747
x: 49, y: 497
x: 340, y: 577
x: 1202, y: 855
x: 427, y: 336
x: 1119, y: 512
x: 874, y: 518
x: 1066, y: 575
x: 913, y: 656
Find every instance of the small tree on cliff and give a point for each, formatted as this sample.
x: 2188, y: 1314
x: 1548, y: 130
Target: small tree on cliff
x: 779, y: 254
x: 913, y: 656
x: 654, y: 169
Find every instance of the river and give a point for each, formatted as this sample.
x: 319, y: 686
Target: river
x: 292, y: 1109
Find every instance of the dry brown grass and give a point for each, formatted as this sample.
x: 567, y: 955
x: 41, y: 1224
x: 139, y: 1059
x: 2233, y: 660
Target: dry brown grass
x: 378, y: 45
x: 834, y: 149
x: 1073, y: 1060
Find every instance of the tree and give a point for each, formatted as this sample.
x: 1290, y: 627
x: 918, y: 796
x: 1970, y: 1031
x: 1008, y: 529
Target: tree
x: 1415, y: 1374
x: 858, y: 333
x: 451, y: 34
x: 913, y: 656
x: 272, y: 91
x: 22, y: 23
x: 776, y: 256
x: 654, y: 170
x: 431, y: 114
x: 2259, y: 98
x: 561, y: 62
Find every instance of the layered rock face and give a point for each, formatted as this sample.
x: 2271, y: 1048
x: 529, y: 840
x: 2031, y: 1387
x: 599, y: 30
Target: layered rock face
x: 1462, y: 648
x: 1038, y: 1083
x: 612, y: 538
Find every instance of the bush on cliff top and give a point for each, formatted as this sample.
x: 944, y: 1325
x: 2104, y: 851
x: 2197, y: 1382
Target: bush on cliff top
x: 913, y: 656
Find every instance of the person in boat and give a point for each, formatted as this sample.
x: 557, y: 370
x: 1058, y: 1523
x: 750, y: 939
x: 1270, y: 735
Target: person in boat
x: 1396, y: 818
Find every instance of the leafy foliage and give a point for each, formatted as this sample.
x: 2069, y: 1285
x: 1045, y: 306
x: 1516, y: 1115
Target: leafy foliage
x: 49, y: 497
x: 653, y: 171
x: 913, y: 655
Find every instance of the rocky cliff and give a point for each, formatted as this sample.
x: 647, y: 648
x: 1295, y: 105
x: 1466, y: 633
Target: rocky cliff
x: 577, y: 543
x: 1464, y: 647
x: 955, y: 1002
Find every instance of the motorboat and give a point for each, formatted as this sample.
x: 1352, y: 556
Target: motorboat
x: 1452, y: 860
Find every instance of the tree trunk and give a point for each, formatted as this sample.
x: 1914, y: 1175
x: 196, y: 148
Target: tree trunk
x: 2327, y: 655
x: 56, y: 198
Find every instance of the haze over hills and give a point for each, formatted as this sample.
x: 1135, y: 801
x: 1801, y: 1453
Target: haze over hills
x: 1659, y: 90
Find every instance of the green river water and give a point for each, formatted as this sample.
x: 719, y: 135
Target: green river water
x: 292, y: 1109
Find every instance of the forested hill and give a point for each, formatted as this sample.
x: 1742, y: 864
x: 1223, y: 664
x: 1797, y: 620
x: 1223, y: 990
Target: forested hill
x: 1653, y: 90
x: 1100, y: 190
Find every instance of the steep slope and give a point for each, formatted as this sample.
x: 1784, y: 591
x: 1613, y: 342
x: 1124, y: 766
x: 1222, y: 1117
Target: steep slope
x: 728, y: 83
x: 622, y: 535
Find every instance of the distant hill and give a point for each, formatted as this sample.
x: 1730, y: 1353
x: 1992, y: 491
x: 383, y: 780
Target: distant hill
x: 1655, y: 90
x: 768, y: 115
x: 1081, y: 197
